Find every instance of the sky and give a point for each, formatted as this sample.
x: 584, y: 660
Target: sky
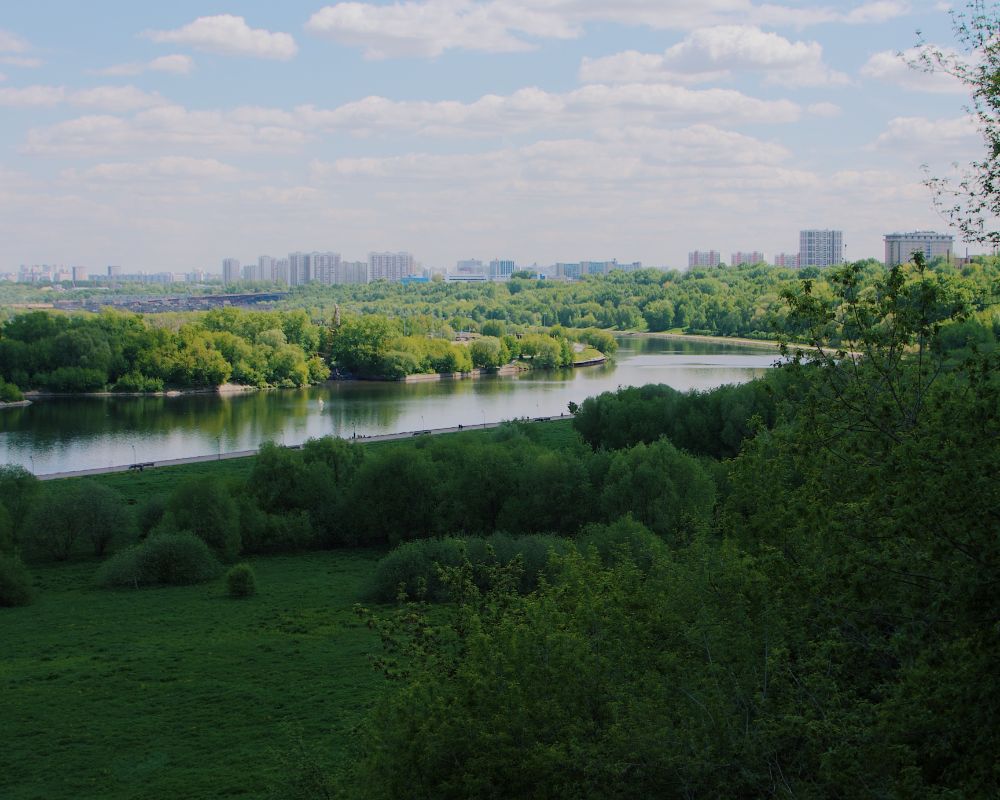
x: 168, y: 136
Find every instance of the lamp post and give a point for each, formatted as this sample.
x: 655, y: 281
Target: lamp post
x: 135, y: 458
x: 32, y: 464
x: 219, y: 440
x: 484, y: 419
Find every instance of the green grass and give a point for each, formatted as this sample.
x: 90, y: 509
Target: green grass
x: 181, y: 692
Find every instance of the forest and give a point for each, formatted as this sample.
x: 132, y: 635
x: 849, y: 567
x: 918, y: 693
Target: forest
x: 766, y: 589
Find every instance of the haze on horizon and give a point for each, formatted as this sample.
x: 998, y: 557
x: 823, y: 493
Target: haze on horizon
x: 168, y: 137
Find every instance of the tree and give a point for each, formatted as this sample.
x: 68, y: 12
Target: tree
x: 206, y: 509
x: 63, y: 516
x: 973, y: 202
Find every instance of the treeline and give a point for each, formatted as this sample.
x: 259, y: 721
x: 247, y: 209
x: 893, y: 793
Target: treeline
x: 133, y: 353
x: 725, y: 301
x: 377, y: 346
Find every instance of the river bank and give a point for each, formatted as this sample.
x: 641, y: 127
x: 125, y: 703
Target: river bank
x: 767, y: 344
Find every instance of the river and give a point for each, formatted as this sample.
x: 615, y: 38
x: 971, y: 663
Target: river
x: 64, y: 434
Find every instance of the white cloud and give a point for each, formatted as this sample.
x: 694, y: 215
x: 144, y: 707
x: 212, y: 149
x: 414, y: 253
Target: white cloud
x: 229, y: 35
x: 710, y: 54
x: 533, y: 109
x: 21, y: 61
x: 173, y: 64
x: 2, y: 77
x: 431, y: 27
x: 158, y: 169
x: 155, y: 128
x: 895, y: 68
x: 32, y: 96
x: 827, y: 110
x: 11, y: 43
x: 105, y: 98
x: 932, y: 136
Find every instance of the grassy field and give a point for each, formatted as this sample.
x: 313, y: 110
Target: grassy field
x: 181, y: 692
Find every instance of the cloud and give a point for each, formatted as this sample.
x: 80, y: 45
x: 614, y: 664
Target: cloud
x: 105, y: 98
x: 2, y: 77
x: 10, y: 43
x: 173, y: 64
x: 432, y: 27
x: 155, y: 128
x: 895, y: 68
x: 710, y: 54
x: 533, y: 109
x: 826, y: 110
x: 229, y: 35
x: 158, y: 169
x: 931, y: 136
x: 29, y: 96
x: 252, y: 128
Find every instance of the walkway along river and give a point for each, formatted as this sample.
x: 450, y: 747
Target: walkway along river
x: 58, y: 435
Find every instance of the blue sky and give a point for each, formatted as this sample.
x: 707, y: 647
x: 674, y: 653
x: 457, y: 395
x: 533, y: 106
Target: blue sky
x: 168, y: 136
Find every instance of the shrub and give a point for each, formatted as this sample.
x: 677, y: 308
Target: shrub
x: 15, y: 582
x: 623, y: 538
x: 206, y: 509
x: 9, y: 393
x: 415, y: 566
x: 241, y: 581
x: 151, y: 512
x: 81, y: 510
x: 167, y: 559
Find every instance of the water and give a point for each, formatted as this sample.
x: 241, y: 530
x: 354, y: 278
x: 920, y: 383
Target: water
x: 57, y: 435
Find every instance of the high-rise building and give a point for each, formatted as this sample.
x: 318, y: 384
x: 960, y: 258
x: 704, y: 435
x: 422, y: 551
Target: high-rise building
x: 281, y: 271
x: 787, y: 260
x: 299, y: 271
x: 704, y: 258
x: 325, y: 268
x: 354, y: 271
x: 389, y: 266
x: 821, y: 248
x: 265, y: 269
x: 114, y: 272
x: 230, y: 270
x: 746, y: 257
x: 900, y: 247
x: 501, y: 269
x: 79, y: 273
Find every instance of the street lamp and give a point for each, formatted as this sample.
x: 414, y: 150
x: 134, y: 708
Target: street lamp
x: 219, y: 440
x: 135, y: 458
x: 32, y: 464
x: 484, y: 419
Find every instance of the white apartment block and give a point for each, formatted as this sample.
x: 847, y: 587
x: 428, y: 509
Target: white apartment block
x: 501, y: 269
x: 389, y: 266
x: 900, y: 247
x: 230, y: 270
x: 354, y: 271
x: 325, y: 268
x: 821, y: 248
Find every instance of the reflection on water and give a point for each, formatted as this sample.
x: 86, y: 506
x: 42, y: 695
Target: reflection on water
x: 80, y: 433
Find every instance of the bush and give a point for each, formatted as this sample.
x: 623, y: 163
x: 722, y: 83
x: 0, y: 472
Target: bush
x: 241, y: 581
x: 15, y: 582
x: 9, y: 393
x: 206, y: 509
x: 151, y: 512
x: 165, y: 559
x: 623, y: 538
x: 414, y: 567
x: 81, y: 510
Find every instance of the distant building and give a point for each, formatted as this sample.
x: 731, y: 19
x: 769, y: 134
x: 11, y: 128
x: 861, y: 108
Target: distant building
x: 746, y: 257
x: 470, y: 266
x: 80, y: 274
x: 325, y: 268
x: 230, y: 270
x: 821, y: 248
x: 354, y: 271
x: 704, y: 258
x: 453, y: 278
x: 900, y: 247
x: 501, y: 269
x: 281, y: 271
x: 299, y: 272
x: 265, y: 269
x: 390, y: 266
x: 567, y: 270
x: 787, y: 260
x: 114, y: 272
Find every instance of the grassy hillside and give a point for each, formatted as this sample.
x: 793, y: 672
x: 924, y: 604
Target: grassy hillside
x: 181, y: 692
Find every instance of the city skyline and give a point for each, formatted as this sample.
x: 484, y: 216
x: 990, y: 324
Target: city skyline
x: 175, y: 135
